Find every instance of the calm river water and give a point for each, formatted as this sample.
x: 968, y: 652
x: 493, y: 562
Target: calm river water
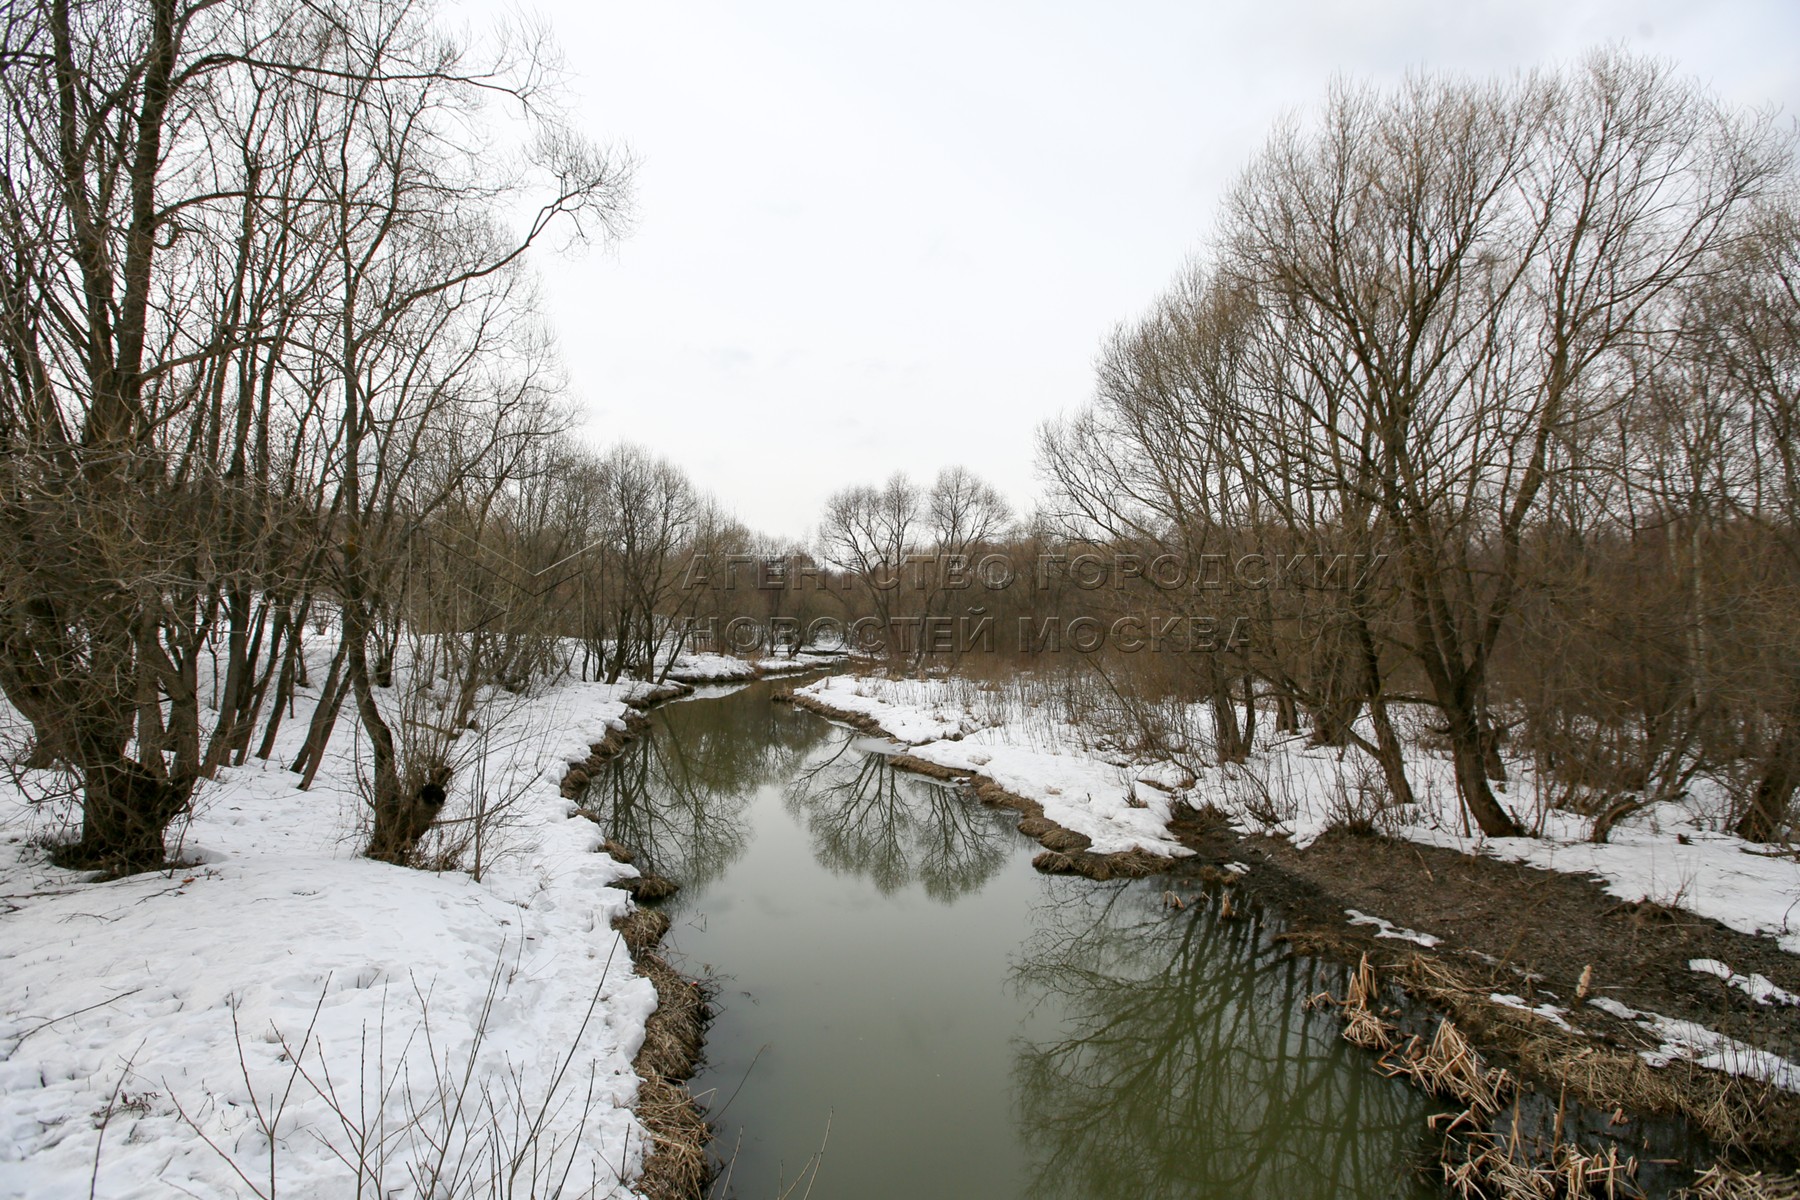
x: 899, y: 990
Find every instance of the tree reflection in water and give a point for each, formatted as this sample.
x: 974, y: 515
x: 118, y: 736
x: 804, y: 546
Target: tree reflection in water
x: 1158, y: 1053
x: 677, y: 795
x: 867, y: 818
x: 1189, y: 1065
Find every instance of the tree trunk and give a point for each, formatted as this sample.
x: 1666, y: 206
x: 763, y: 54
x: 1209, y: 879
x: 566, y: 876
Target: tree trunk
x: 259, y: 687
x: 1340, y: 690
x: 1287, y: 714
x: 241, y: 649
x: 1492, y: 763
x: 293, y: 661
x: 1227, y: 741
x: 125, y: 812
x: 1249, y: 712
x: 331, y: 696
x: 404, y: 809
x: 1763, y: 820
x: 1469, y: 754
x: 1389, y: 754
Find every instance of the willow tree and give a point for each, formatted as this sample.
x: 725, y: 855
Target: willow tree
x: 1465, y: 266
x: 252, y: 255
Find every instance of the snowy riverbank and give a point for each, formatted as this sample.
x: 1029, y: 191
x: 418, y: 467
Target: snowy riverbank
x: 1020, y: 737
x: 156, y: 1030
x: 1672, y: 853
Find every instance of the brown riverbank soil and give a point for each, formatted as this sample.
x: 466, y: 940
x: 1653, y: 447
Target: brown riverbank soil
x: 675, y: 1167
x: 1544, y: 938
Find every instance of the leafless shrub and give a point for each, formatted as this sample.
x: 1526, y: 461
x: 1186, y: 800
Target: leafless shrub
x: 462, y: 1132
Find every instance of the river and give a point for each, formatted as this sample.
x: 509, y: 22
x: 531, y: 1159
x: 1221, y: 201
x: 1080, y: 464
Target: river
x: 905, y: 1008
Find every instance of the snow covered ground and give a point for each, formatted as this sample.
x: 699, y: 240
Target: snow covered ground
x: 1119, y: 803
x: 1672, y: 853
x: 705, y: 667
x: 1019, y: 736
x: 711, y: 668
x: 286, y: 1006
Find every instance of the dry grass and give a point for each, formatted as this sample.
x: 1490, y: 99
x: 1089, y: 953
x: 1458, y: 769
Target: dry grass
x: 1738, y: 1115
x: 1452, y: 1068
x: 931, y: 770
x: 1735, y: 1113
x: 1058, y: 838
x: 1131, y: 864
x: 648, y: 887
x: 1727, y: 1183
x: 1503, y: 1168
x: 674, y: 1032
x: 989, y: 792
x: 642, y: 929
x: 813, y: 704
x: 1137, y: 864
x: 576, y: 779
x: 1361, y: 1026
x: 676, y: 1167
x: 1478, y: 1163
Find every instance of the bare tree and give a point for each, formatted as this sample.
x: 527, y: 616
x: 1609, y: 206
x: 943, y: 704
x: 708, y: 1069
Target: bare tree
x: 1472, y: 262
x: 1751, y: 329
x: 868, y: 532
x: 963, y: 515
x: 254, y: 272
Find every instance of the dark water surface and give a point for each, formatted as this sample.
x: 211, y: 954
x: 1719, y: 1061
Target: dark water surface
x: 898, y: 988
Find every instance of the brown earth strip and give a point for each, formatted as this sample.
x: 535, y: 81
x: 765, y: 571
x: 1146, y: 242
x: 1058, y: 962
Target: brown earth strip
x: 1065, y: 851
x: 1545, y: 937
x: 579, y: 774
x: 813, y: 704
x: 675, y: 1167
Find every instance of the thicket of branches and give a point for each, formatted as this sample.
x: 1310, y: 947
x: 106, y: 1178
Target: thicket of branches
x: 1482, y: 403
x: 1532, y: 347
x: 273, y: 370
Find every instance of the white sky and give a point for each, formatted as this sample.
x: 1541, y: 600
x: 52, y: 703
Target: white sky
x: 878, y: 237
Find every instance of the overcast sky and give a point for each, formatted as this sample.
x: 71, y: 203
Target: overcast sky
x: 878, y: 237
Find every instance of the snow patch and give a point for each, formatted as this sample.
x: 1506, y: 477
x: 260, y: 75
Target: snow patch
x: 1387, y: 929
x: 1690, y: 1041
x: 1758, y: 987
x: 1550, y: 1012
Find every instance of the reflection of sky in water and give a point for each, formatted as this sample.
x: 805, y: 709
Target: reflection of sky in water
x: 889, y: 963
